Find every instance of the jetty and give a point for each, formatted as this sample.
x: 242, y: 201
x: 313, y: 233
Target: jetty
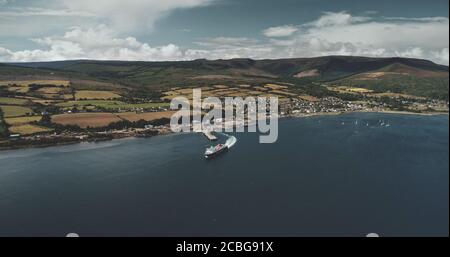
x: 209, y: 135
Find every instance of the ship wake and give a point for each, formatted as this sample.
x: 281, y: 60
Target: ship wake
x: 231, y: 141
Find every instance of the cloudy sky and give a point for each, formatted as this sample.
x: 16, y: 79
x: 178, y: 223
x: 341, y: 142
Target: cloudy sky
x: 156, y: 30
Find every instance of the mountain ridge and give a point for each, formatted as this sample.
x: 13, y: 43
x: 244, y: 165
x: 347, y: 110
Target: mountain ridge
x: 403, y: 73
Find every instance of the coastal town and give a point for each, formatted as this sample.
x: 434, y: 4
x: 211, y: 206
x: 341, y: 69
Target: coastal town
x: 70, y: 116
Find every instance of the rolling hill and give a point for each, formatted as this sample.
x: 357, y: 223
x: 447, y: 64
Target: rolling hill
x: 400, y: 75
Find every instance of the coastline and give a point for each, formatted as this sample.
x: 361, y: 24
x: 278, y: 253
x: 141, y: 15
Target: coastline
x: 409, y: 113
x: 302, y: 115
x: 164, y: 132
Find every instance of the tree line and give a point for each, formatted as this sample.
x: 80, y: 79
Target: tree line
x: 4, y: 132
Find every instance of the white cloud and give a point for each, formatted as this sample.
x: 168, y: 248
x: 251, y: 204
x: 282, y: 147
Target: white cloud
x: 386, y: 34
x: 338, y: 19
x: 441, y: 56
x: 101, y: 43
x: 132, y: 14
x: 331, y: 34
x: 95, y: 43
x: 343, y: 34
x: 5, y: 54
x: 126, y: 17
x: 281, y: 31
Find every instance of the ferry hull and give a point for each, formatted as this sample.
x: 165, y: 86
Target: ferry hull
x: 216, y: 154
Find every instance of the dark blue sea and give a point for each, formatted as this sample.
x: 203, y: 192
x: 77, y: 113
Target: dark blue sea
x: 346, y: 175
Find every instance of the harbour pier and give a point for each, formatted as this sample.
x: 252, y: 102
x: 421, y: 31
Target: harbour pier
x: 209, y: 135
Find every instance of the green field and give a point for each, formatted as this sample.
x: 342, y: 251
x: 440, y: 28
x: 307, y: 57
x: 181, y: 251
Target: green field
x: 13, y: 101
x: 95, y: 95
x: 114, y: 105
x: 22, y: 120
x: 15, y: 111
x: 28, y: 129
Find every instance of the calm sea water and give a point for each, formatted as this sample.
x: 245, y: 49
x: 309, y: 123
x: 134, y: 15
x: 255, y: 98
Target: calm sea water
x: 326, y: 176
